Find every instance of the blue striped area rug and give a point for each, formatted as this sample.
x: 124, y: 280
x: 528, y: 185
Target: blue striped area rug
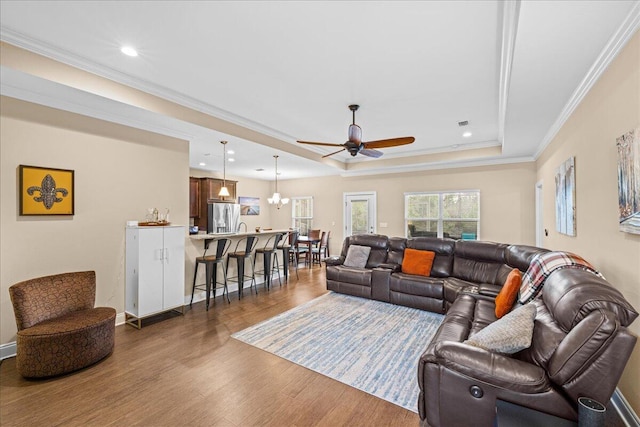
x: 370, y: 345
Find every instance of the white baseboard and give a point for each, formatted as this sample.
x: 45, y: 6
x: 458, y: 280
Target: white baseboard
x: 624, y: 410
x: 7, y: 350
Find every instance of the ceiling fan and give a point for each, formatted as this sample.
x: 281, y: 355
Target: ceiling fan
x: 355, y: 144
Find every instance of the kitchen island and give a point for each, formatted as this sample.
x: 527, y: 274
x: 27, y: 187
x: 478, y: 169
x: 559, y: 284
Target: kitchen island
x: 196, y: 249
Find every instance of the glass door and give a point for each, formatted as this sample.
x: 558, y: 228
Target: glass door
x: 360, y: 213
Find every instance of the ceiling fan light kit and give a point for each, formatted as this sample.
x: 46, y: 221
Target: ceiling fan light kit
x: 355, y: 145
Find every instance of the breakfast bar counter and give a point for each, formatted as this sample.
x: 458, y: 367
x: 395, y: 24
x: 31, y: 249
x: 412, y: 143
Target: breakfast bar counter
x: 196, y: 249
x: 214, y: 236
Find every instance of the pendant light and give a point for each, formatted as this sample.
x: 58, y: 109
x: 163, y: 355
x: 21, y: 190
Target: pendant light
x: 276, y: 199
x: 224, y: 191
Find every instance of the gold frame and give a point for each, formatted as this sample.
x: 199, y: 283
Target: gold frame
x: 46, y: 191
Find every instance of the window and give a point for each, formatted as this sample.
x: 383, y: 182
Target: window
x: 443, y: 214
x: 302, y: 214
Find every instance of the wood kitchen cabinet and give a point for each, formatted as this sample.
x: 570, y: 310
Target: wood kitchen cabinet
x: 208, y: 193
x: 194, y: 197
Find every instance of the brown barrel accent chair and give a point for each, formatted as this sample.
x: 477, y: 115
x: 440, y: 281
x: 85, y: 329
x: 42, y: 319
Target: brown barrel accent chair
x: 59, y: 330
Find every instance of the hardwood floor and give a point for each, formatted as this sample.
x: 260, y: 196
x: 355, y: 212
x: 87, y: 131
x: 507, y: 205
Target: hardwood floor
x: 186, y: 370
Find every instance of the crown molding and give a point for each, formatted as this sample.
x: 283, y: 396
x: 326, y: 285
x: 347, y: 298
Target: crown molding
x: 436, y: 150
x: 420, y: 167
x: 626, y: 31
x: 21, y: 86
x: 15, y: 38
x: 510, y: 13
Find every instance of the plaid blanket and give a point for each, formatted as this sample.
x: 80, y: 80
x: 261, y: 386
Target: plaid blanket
x: 541, y: 268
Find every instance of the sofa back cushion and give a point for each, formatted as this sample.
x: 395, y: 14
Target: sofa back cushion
x: 378, y: 243
x: 480, y: 262
x: 572, y: 294
x: 443, y: 248
x: 520, y: 256
x: 397, y: 246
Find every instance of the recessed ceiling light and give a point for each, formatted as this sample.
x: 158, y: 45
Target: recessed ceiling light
x: 203, y: 164
x: 231, y: 152
x: 467, y: 134
x: 260, y: 170
x: 232, y: 160
x: 129, y: 51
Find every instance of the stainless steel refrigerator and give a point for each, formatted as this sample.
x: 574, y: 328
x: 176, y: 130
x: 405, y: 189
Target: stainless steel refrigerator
x: 223, y: 217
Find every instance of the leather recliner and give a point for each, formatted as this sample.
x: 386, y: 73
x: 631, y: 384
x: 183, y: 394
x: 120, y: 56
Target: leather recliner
x: 580, y: 347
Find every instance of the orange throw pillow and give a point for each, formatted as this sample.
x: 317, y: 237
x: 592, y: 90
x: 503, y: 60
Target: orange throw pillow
x: 417, y: 262
x: 507, y: 296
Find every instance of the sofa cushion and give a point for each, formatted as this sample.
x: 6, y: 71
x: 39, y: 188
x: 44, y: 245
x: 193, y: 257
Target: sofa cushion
x: 571, y: 294
x: 357, y: 256
x: 507, y: 335
x: 520, y: 256
x: 480, y: 262
x: 397, y: 245
x: 417, y: 262
x: 509, y: 293
x: 443, y: 261
x: 352, y: 275
x: 416, y: 285
x: 378, y: 243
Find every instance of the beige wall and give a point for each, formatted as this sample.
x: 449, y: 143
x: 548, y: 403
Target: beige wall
x: 610, y: 109
x: 119, y: 173
x: 506, y: 199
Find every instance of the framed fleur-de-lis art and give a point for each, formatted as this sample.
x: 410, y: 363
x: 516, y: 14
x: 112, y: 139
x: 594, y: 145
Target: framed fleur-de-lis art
x: 46, y: 191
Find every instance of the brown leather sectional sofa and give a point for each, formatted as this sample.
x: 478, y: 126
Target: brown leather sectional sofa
x: 580, y: 342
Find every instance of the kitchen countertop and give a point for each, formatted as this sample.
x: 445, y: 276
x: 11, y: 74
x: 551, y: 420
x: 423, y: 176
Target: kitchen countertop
x: 205, y: 236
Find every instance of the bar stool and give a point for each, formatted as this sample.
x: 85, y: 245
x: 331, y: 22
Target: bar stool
x: 289, y: 242
x: 211, y: 270
x: 241, y: 256
x: 269, y: 259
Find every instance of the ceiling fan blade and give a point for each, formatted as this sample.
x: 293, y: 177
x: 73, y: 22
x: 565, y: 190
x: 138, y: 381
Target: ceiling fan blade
x: 328, y: 144
x: 371, y: 153
x: 339, y: 151
x: 393, y: 142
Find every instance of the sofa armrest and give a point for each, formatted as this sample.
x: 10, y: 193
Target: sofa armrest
x: 492, y: 368
x: 391, y: 266
x: 334, y: 260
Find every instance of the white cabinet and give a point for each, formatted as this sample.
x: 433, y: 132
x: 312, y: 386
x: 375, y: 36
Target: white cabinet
x: 154, y: 271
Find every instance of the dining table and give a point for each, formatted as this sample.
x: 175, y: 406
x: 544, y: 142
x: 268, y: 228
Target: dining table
x: 309, y: 242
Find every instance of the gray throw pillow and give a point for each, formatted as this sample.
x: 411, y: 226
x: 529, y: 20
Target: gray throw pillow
x: 357, y: 256
x: 509, y: 334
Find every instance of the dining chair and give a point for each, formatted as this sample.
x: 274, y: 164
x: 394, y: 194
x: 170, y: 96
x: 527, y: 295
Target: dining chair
x: 322, y: 248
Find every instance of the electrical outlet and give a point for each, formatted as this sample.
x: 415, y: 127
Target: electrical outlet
x: 333, y: 223
x: 383, y: 225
